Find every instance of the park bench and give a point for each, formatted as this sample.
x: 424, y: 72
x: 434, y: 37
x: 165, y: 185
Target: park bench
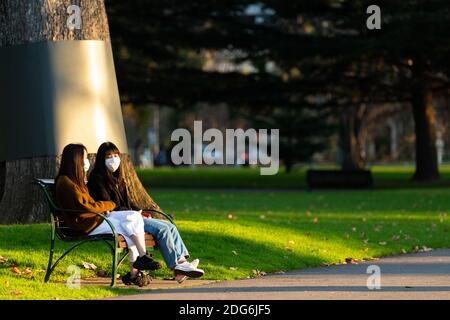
x: 115, y: 241
x: 339, y: 179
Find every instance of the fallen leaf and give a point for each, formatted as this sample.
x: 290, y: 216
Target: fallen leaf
x: 382, y: 243
x: 350, y: 261
x: 291, y: 242
x: 395, y: 237
x: 234, y: 252
x: 27, y: 271
x: 233, y: 268
x: 315, y: 219
x: 415, y: 248
x: 258, y: 273
x: 404, y: 251
x: 308, y: 213
x: 262, y: 216
x: 3, y: 260
x: 89, y: 266
x: 366, y: 241
x: 231, y: 216
x: 279, y: 272
x: 16, y: 270
x: 15, y: 293
x: 354, y: 229
x: 425, y: 249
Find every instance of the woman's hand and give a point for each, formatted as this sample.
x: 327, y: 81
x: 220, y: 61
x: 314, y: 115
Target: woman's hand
x: 145, y: 214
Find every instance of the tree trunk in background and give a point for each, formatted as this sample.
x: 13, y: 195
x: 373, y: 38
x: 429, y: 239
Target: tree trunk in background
x: 33, y: 21
x: 427, y: 168
x: 350, y: 124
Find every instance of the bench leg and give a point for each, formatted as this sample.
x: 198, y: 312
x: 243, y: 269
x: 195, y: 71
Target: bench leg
x: 115, y: 263
x: 50, y: 259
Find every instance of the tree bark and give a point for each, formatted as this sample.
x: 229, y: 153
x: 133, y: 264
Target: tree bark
x: 137, y: 192
x: 350, y: 125
x: 22, y: 202
x: 32, y: 21
x: 427, y: 168
x: 45, y: 20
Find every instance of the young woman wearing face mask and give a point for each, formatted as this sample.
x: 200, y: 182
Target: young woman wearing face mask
x: 72, y: 193
x: 106, y: 183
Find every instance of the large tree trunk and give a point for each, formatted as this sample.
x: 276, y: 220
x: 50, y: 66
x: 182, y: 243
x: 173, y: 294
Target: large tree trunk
x: 136, y: 190
x: 349, y: 139
x: 22, y: 202
x: 425, y: 128
x: 40, y: 27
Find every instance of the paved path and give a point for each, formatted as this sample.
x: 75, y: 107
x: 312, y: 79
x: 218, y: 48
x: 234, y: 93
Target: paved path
x: 423, y: 275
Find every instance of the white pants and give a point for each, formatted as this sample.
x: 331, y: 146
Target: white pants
x: 126, y: 223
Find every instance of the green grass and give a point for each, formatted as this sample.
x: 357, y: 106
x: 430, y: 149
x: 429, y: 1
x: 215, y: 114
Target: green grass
x: 385, y: 177
x: 270, y: 231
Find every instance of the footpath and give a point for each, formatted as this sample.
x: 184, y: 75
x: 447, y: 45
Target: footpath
x: 424, y: 275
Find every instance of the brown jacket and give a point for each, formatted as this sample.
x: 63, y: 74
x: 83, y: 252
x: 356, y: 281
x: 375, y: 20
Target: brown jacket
x: 70, y: 196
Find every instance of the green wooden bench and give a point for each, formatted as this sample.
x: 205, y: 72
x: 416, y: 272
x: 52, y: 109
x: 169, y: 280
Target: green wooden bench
x: 59, y: 229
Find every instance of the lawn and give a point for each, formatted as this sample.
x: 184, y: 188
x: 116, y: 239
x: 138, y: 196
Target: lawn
x: 238, y: 234
x: 385, y: 177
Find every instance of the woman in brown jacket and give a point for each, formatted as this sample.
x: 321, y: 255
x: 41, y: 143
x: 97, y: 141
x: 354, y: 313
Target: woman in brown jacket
x: 72, y: 193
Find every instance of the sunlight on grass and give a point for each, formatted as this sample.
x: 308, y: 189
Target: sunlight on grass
x: 237, y: 234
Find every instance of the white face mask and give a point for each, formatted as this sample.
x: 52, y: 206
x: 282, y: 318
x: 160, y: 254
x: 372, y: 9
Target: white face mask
x: 86, y: 165
x: 112, y: 163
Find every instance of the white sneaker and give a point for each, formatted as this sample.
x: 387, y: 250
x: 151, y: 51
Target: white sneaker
x: 188, y: 269
x: 180, y: 277
x: 195, y: 263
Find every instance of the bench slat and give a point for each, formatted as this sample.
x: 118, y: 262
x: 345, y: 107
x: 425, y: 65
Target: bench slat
x: 149, y: 241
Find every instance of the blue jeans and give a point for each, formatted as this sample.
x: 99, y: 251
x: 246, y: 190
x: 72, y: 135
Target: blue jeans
x: 168, y: 239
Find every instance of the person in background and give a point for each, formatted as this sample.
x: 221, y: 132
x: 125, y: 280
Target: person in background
x: 106, y: 183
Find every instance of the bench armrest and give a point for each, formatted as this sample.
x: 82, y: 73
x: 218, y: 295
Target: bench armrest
x: 168, y: 217
x: 99, y: 214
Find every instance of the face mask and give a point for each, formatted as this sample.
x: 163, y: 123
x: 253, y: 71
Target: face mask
x: 112, y: 163
x: 86, y: 165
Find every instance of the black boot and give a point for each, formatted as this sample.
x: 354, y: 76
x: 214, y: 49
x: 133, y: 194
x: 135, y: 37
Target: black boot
x: 146, y: 263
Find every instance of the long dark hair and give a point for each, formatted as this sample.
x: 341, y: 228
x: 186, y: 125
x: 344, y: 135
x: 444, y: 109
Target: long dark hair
x: 111, y: 179
x: 72, y: 165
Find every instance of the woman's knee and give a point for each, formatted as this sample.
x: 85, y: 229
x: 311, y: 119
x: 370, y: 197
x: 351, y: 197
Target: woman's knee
x: 164, y: 229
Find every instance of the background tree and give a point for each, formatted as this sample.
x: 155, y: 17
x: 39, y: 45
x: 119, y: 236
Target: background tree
x: 325, y: 42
